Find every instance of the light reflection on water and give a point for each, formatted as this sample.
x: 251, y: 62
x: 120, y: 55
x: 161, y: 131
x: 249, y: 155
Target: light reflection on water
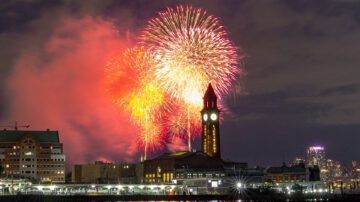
x: 196, y: 201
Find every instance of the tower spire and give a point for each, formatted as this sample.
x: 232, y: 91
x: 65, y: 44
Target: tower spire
x: 210, y: 124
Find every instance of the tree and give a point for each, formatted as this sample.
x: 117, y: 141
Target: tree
x: 68, y: 178
x: 1, y: 171
x: 298, y: 189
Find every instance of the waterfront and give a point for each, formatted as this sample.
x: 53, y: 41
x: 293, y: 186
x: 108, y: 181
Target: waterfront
x: 248, y: 197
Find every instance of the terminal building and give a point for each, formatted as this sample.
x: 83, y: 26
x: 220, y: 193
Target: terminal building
x: 35, y: 155
x: 182, y: 166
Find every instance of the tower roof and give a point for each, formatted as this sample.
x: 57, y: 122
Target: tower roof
x: 210, y: 93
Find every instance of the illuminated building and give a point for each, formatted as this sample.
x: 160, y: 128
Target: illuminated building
x: 296, y: 173
x: 210, y: 124
x: 36, y: 155
x: 299, y: 160
x: 101, y: 172
x: 333, y: 170
x: 316, y: 156
x: 182, y: 166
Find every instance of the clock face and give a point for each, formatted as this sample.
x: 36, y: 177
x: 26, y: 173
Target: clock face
x: 205, y: 117
x: 213, y: 116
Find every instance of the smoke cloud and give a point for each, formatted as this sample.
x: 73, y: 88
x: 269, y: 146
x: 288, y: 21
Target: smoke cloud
x: 61, y: 85
x: 176, y: 145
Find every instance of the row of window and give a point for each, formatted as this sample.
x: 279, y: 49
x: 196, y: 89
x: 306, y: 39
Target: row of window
x: 27, y: 147
x: 181, y: 175
x: 37, y: 172
x: 48, y: 166
x: 199, y: 175
x: 32, y: 159
x: 33, y: 166
x: 52, y: 179
x: 29, y: 153
x: 295, y: 177
x: 50, y: 172
x: 152, y: 180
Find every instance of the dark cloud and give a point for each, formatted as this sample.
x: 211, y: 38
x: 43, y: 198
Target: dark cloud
x: 341, y: 90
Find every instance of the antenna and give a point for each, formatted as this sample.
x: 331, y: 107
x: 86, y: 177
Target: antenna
x: 15, y: 126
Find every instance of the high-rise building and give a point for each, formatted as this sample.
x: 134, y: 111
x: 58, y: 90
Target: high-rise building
x: 316, y: 156
x: 36, y: 155
x: 299, y: 160
x: 210, y: 124
x: 333, y: 170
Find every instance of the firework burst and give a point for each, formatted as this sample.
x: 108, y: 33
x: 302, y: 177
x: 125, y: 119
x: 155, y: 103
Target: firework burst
x: 192, y: 50
x: 189, y: 43
x: 131, y: 88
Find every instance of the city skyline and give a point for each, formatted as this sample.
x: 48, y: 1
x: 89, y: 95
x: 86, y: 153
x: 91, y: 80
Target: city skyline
x: 301, y: 86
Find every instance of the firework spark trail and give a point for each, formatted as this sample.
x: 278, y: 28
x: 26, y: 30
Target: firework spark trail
x: 132, y: 89
x: 192, y: 50
x: 177, y: 122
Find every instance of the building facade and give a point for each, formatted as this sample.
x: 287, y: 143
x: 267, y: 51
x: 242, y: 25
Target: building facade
x: 36, y: 155
x: 108, y: 173
x: 210, y: 124
x: 182, y: 166
x: 293, y: 174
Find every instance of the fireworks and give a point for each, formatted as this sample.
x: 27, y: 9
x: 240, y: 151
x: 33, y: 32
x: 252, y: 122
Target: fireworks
x: 193, y: 50
x: 132, y: 89
x: 177, y: 122
x: 161, y: 82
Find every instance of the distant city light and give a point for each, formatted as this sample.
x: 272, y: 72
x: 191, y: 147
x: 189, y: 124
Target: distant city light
x: 317, y: 148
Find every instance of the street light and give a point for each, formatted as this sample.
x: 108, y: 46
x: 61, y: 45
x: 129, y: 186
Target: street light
x: 238, y: 185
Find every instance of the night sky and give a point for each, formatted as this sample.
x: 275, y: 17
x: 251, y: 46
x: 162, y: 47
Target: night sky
x: 301, y: 86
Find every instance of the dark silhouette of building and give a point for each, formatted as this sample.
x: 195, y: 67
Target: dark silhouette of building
x: 210, y: 124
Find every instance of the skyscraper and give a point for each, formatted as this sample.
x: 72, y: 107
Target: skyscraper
x: 210, y: 124
x: 316, y: 156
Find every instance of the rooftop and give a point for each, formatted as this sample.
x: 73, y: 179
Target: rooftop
x: 210, y: 93
x: 41, y: 136
x: 181, y: 155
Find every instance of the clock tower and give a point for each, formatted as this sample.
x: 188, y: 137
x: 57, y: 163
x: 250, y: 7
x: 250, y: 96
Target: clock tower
x: 210, y: 124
